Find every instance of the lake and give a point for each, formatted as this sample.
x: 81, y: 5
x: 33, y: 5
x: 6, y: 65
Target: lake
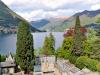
x: 8, y: 42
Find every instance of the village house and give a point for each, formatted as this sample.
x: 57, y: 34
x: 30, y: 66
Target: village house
x: 9, y: 66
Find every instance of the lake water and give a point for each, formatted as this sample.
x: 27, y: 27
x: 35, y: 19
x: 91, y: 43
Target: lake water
x: 8, y: 42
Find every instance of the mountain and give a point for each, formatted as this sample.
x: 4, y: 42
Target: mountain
x: 88, y: 19
x: 9, y: 20
x: 48, y: 24
x: 39, y: 23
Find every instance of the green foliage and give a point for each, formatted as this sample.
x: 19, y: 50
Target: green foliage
x: 98, y: 27
x: 81, y: 62
x: 49, y: 45
x: 73, y: 58
x: 77, y: 48
x: 52, y: 43
x: 92, y: 64
x: 96, y: 49
x: 67, y: 43
x: 41, y: 51
x: 84, y: 61
x: 91, y: 36
x: 36, y: 52
x: 46, y: 48
x: 98, y: 67
x: 63, y: 53
x: 66, y: 54
x: 65, y: 50
x: 2, y: 58
x: 87, y: 48
x: 25, y: 50
x: 98, y: 20
x: 94, y: 42
x: 80, y: 46
x: 77, y: 45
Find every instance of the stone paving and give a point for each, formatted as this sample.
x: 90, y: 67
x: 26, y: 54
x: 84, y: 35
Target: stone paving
x: 66, y: 68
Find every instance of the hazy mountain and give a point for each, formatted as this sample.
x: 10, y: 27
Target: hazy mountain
x: 59, y: 24
x: 48, y: 24
x: 39, y: 23
x: 86, y: 17
x: 8, y: 18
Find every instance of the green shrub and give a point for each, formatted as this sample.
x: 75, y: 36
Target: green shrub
x: 73, y: 59
x: 91, y: 64
x: 63, y: 53
x: 67, y: 54
x: 98, y: 67
x: 2, y: 58
x: 81, y: 62
x: 84, y: 61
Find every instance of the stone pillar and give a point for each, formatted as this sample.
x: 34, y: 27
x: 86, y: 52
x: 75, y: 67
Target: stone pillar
x: 11, y: 70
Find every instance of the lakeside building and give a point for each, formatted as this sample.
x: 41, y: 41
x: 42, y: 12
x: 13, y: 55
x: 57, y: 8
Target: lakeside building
x: 9, y: 66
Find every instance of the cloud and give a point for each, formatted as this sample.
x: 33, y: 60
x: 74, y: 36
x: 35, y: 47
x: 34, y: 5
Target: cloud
x: 8, y: 2
x: 27, y: 5
x: 39, y: 14
x: 37, y: 3
x: 57, y: 3
x: 90, y: 2
x: 95, y: 7
x: 37, y: 9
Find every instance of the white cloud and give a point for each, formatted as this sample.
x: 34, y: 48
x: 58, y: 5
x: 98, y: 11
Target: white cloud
x: 95, y: 7
x: 8, y: 2
x: 39, y: 14
x: 57, y: 3
x: 36, y: 14
x: 91, y: 2
x: 39, y: 3
x: 37, y: 9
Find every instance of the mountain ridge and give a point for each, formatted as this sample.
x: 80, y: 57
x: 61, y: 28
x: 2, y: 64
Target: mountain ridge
x: 86, y: 17
x: 9, y: 20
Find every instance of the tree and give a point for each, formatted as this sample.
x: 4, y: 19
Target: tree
x: 2, y: 58
x: 98, y: 67
x: 88, y: 43
x: 78, y: 39
x: 98, y: 28
x: 64, y: 51
x: 87, y: 48
x: 65, y: 54
x: 52, y: 43
x: 49, y: 45
x: 96, y: 49
x: 98, y: 20
x: 67, y: 43
x: 46, y: 47
x: 84, y: 61
x: 91, y: 36
x: 25, y: 51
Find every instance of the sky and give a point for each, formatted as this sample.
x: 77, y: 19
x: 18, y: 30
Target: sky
x: 37, y: 9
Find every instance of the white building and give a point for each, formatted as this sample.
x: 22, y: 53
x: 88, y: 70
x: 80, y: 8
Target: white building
x: 9, y: 66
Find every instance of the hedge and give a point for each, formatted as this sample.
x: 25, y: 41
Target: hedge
x: 98, y: 67
x: 84, y: 61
